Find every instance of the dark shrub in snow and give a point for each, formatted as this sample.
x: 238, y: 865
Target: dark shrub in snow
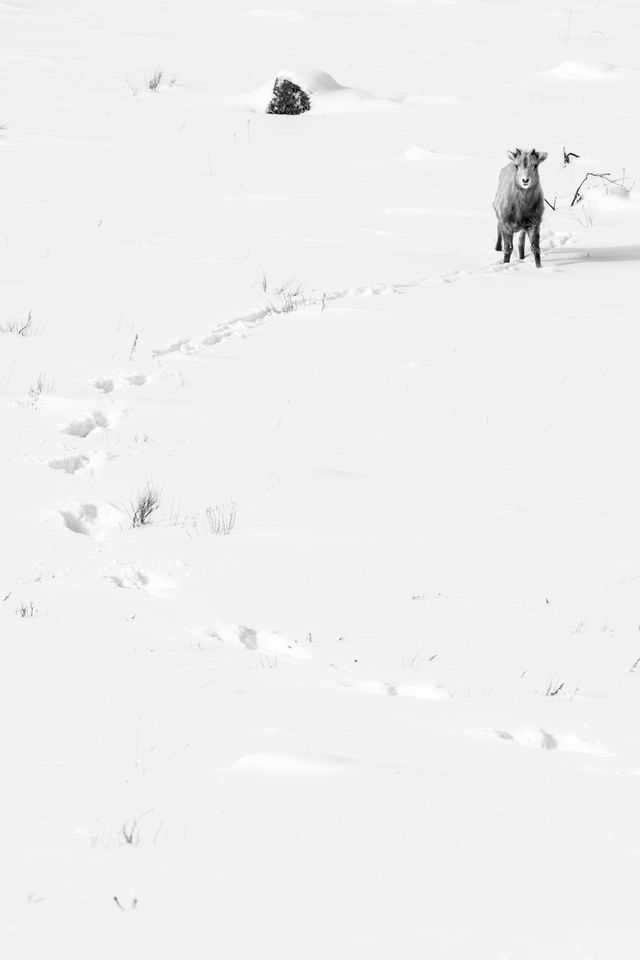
x: 288, y: 97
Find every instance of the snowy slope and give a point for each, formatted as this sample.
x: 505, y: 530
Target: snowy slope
x: 394, y: 712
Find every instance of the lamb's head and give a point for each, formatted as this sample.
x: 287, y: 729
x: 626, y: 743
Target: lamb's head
x: 526, y: 164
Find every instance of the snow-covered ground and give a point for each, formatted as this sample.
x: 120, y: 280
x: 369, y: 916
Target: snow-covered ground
x: 394, y: 711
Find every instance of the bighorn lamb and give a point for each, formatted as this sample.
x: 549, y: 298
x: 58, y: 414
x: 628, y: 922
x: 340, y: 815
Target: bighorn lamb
x: 519, y: 203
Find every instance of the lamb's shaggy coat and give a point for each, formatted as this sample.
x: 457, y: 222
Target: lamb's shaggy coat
x: 519, y: 203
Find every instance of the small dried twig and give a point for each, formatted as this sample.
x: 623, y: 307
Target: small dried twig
x: 134, y: 904
x: 567, y: 156
x: 131, y: 833
x: 633, y: 668
x: 133, y: 347
x: 553, y: 688
x: 552, y: 205
x: 577, y: 197
x: 24, y: 330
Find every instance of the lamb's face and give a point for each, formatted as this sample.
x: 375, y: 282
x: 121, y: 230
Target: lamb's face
x: 526, y: 164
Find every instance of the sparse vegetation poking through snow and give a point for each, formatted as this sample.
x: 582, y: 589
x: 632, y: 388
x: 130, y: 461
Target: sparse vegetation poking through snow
x: 42, y: 385
x: 221, y: 519
x: 144, y: 506
x: 23, y: 328
x: 291, y: 296
x: 132, y: 905
x: 131, y: 833
x: 268, y: 662
x: 288, y: 98
x: 157, y: 80
x: 553, y: 688
x: 154, y: 81
x: 26, y: 610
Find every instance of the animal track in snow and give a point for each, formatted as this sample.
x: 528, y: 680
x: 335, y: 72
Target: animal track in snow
x: 552, y: 239
x: 77, y: 463
x: 130, y: 577
x: 95, y: 421
x: 91, y: 520
x: 136, y: 379
x: 540, y: 739
x: 239, y: 326
x: 261, y: 641
x: 418, y: 691
x: 179, y: 346
x: 109, y: 384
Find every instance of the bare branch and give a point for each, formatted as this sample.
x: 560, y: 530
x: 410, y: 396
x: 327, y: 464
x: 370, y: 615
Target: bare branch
x: 577, y: 197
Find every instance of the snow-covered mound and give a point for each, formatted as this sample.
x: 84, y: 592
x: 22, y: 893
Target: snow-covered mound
x: 583, y: 70
x: 325, y: 93
x: 419, y: 153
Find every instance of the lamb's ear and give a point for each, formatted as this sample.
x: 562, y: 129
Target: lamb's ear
x: 514, y: 154
x: 541, y: 156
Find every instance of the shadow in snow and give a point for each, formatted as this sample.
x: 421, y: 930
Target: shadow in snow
x: 594, y: 254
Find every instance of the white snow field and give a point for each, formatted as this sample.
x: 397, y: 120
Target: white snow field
x: 368, y: 683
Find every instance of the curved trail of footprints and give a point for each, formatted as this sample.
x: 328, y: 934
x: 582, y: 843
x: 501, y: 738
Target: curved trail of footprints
x: 244, y: 323
x: 99, y: 522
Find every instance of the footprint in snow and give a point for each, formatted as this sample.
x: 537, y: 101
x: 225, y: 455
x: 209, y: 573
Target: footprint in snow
x: 539, y: 739
x: 109, y: 384
x: 136, y: 379
x: 418, y: 691
x: 260, y: 641
x: 179, y: 346
x: 95, y: 421
x: 78, y: 463
x: 98, y: 521
x: 130, y: 577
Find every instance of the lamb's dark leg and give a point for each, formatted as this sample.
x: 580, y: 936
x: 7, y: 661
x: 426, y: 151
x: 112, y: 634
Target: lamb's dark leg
x: 507, y: 239
x: 521, y: 244
x: 499, y: 240
x: 534, y: 240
